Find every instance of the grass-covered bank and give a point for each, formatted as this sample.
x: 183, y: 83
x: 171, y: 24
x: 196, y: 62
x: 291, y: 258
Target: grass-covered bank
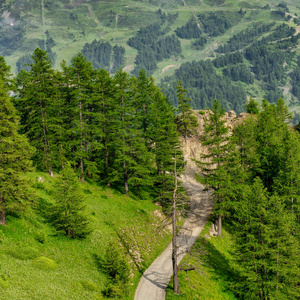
x: 210, y: 256
x: 38, y: 263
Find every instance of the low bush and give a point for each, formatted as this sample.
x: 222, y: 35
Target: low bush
x: 24, y: 253
x: 44, y: 263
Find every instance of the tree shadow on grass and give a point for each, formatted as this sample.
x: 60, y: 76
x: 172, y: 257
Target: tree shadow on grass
x: 220, y: 267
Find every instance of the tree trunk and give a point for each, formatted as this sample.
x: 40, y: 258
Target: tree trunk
x: 219, y: 225
x: 2, y: 211
x: 174, y: 242
x: 126, y: 182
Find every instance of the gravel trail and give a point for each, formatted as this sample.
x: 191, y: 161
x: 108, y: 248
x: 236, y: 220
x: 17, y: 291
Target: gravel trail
x: 155, y: 280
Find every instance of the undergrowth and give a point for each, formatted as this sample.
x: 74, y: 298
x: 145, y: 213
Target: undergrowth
x: 211, y: 278
x: 36, y: 262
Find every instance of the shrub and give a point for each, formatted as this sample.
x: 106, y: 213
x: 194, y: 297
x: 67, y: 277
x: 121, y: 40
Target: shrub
x: 89, y: 286
x: 41, y: 237
x: 24, y: 253
x: 116, y: 267
x: 44, y: 263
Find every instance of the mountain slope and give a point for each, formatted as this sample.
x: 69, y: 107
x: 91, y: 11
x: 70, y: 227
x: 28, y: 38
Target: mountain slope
x: 199, y: 29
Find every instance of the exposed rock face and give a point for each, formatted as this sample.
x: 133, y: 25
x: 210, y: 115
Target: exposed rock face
x: 191, y: 146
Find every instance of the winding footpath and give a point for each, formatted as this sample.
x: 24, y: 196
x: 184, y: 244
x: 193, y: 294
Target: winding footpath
x: 155, y: 280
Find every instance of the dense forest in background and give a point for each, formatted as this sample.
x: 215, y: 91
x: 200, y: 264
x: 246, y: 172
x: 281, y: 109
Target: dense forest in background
x: 164, y: 38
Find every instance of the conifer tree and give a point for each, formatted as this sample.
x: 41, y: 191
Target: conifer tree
x: 15, y: 154
x: 252, y: 107
x: 144, y: 91
x: 36, y: 106
x: 104, y: 123
x: 215, y: 166
x: 80, y: 73
x: 66, y: 214
x: 186, y: 121
x: 165, y: 141
x: 133, y: 161
x: 267, y: 251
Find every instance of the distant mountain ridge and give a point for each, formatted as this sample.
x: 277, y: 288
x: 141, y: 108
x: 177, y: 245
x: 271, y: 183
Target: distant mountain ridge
x: 174, y: 33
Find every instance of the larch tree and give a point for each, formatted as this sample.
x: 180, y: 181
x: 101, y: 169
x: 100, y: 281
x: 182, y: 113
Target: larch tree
x: 80, y: 73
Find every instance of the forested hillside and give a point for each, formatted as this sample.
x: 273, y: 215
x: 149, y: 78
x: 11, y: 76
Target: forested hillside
x: 170, y: 40
x: 85, y: 132
x: 72, y: 141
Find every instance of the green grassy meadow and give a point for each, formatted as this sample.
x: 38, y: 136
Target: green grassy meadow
x: 37, y: 263
x: 210, y: 256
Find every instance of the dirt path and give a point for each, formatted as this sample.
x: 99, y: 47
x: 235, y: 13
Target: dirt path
x: 156, y: 278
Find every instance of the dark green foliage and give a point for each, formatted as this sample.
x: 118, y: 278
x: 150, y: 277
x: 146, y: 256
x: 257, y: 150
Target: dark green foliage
x: 216, y: 23
x: 205, y: 85
x: 216, y: 165
x: 296, y: 80
x: 165, y: 143
x: 15, y: 153
x: 267, y: 251
x: 228, y: 59
x: 158, y: 50
x: 11, y: 38
x: 66, y: 214
x: 35, y: 100
x: 199, y: 43
x: 239, y: 72
x: 24, y: 62
x: 245, y: 37
x: 268, y: 65
x: 99, y: 53
x: 252, y: 107
x: 189, y: 31
x: 118, y: 58
x: 153, y: 47
x: 116, y: 267
x: 281, y: 32
x: 186, y: 121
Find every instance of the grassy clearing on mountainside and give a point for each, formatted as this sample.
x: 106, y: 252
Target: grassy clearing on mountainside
x: 37, y: 263
x: 213, y: 272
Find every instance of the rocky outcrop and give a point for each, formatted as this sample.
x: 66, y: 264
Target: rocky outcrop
x: 191, y: 146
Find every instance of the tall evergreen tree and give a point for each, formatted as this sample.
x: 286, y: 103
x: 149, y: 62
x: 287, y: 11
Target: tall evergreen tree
x: 186, y: 121
x: 215, y: 165
x: 80, y: 73
x: 37, y: 108
x: 133, y: 161
x: 15, y: 154
x: 165, y: 143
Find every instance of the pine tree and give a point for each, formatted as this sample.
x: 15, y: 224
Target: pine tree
x: 15, y: 154
x: 165, y: 143
x: 105, y: 114
x: 267, y: 251
x: 252, y: 107
x: 35, y: 103
x: 133, y: 161
x: 66, y: 214
x: 216, y: 165
x: 186, y: 121
x: 80, y: 75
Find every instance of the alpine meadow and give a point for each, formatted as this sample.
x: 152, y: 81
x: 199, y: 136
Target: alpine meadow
x: 149, y: 149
